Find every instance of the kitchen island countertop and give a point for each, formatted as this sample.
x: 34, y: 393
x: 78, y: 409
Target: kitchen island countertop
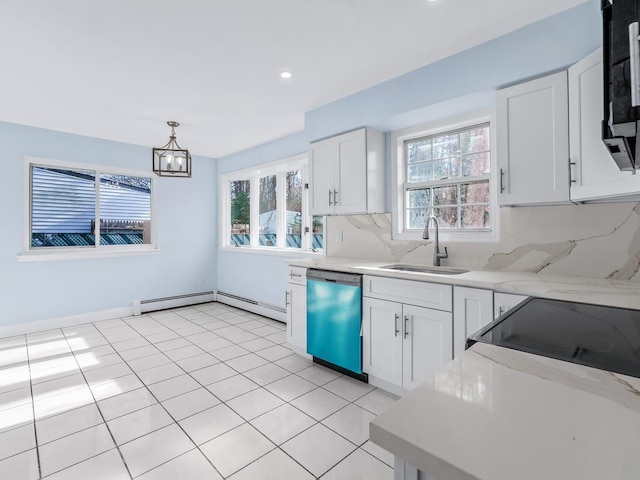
x: 499, y: 414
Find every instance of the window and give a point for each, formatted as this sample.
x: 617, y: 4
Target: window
x: 445, y: 172
x: 274, y: 218
x: 87, y: 207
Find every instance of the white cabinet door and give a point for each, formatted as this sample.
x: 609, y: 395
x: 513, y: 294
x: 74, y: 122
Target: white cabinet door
x: 382, y: 339
x: 347, y: 173
x: 322, y: 157
x: 505, y: 301
x: 533, y: 142
x: 595, y: 174
x: 350, y: 178
x: 427, y: 345
x: 297, y: 316
x: 472, y: 310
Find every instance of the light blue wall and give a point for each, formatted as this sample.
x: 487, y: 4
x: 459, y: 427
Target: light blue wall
x: 544, y: 46
x: 460, y: 83
x: 185, y: 209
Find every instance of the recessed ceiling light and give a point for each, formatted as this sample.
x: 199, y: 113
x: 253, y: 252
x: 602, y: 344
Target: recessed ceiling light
x: 286, y: 74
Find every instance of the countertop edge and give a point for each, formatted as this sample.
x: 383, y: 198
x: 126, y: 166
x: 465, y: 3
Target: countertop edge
x: 618, y: 293
x: 423, y: 460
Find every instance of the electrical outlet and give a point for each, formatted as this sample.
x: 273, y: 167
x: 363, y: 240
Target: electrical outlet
x: 339, y: 236
x: 202, y: 280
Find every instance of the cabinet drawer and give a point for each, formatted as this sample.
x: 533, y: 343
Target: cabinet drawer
x: 422, y: 294
x: 297, y: 275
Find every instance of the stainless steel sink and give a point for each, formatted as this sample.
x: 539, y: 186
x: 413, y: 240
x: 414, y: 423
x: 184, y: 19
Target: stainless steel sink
x: 425, y: 269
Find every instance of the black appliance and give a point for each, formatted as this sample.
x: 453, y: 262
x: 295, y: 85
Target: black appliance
x: 607, y: 338
x: 621, y: 62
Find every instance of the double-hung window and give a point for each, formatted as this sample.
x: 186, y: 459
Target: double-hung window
x: 266, y: 208
x: 445, y: 172
x: 77, y: 207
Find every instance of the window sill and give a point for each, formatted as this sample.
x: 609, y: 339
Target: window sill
x: 51, y: 256
x: 280, y: 252
x: 478, y: 237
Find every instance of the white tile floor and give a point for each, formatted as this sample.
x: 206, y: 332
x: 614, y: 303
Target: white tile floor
x: 204, y: 392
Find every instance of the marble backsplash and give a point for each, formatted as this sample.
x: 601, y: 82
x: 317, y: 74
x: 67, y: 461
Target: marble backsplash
x: 598, y: 241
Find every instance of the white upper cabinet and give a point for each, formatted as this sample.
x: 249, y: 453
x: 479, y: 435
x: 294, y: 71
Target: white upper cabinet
x: 347, y: 174
x: 533, y: 142
x: 594, y: 173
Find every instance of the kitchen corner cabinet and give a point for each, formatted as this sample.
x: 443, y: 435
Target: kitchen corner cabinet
x: 472, y: 310
x: 347, y: 174
x: 405, y: 342
x: 296, y: 303
x: 532, y: 128
x: 594, y: 173
x: 502, y: 302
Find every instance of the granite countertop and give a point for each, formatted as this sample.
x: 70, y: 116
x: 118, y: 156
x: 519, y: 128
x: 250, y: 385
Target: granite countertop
x: 619, y: 293
x: 495, y: 413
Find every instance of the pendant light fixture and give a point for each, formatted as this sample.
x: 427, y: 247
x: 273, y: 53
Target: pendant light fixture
x: 171, y: 160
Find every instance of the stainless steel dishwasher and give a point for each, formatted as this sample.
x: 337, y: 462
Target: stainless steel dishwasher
x: 334, y: 319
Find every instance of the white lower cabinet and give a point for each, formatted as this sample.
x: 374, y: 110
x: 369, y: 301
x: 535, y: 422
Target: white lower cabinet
x: 296, y: 302
x: 382, y: 339
x: 472, y: 310
x: 503, y: 302
x: 404, y: 344
x: 427, y: 335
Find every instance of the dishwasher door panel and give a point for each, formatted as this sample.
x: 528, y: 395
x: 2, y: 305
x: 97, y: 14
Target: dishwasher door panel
x: 334, y: 318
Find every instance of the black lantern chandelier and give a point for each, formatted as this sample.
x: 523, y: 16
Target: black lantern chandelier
x: 171, y: 160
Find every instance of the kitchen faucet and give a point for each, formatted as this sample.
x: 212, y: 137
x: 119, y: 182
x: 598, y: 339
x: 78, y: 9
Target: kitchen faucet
x: 437, y: 255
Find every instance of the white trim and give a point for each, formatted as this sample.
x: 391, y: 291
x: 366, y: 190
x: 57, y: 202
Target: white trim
x: 265, y: 169
x: 65, y: 253
x: 72, y: 253
x: 61, y: 322
x: 279, y: 168
x: 280, y: 252
x: 398, y: 138
x: 45, y: 162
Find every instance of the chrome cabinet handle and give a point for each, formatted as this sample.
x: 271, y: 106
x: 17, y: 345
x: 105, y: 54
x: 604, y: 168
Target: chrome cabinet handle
x: 335, y: 197
x: 330, y: 202
x: 501, y: 181
x: 571, y: 180
x: 396, y: 325
x: 295, y: 275
x: 634, y: 62
x: 286, y: 299
x: 406, y: 331
x: 501, y: 310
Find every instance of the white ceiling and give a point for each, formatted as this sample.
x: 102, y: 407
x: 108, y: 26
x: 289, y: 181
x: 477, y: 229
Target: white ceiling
x: 119, y: 69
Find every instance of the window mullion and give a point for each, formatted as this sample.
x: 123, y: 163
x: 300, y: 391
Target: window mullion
x: 459, y: 206
x: 281, y: 210
x: 96, y: 231
x: 254, y: 205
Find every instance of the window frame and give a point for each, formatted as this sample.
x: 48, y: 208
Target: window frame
x: 30, y: 253
x: 253, y: 175
x: 399, y: 172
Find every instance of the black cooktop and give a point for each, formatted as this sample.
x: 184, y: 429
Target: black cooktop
x: 602, y: 337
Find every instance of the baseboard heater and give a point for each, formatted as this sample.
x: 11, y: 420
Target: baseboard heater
x: 154, y: 304
x: 253, y: 306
